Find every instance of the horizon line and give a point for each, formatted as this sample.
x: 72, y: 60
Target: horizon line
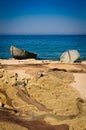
x: 42, y: 34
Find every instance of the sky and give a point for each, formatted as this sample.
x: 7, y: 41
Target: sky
x: 42, y: 16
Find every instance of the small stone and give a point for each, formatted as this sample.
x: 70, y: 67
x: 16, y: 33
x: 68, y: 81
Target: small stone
x: 40, y: 74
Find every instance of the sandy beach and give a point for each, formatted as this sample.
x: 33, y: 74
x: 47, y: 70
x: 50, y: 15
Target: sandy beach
x: 79, y: 84
x: 49, y: 93
x: 42, y: 64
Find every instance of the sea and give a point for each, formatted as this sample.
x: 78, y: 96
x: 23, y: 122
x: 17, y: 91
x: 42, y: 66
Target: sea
x: 47, y: 47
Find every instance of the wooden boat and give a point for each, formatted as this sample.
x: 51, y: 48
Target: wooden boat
x: 69, y: 56
x: 21, y: 54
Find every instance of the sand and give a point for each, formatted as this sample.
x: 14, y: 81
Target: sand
x: 45, y: 91
x: 80, y: 83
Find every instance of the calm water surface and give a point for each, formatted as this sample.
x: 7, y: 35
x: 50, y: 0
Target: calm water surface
x: 47, y: 46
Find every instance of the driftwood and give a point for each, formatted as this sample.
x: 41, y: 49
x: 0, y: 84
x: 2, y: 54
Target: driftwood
x: 6, y: 116
x: 30, y: 100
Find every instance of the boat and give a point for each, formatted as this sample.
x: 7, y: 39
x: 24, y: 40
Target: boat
x: 70, y: 56
x: 21, y: 54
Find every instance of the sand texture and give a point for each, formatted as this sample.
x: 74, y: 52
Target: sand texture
x: 44, y: 95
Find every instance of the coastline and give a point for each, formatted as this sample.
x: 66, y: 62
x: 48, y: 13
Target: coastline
x: 57, y: 91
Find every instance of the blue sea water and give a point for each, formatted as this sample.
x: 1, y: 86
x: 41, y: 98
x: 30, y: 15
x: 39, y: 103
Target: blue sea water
x: 47, y: 46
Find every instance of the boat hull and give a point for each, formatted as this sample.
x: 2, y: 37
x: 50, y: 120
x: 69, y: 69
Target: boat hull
x: 70, y: 56
x: 21, y: 54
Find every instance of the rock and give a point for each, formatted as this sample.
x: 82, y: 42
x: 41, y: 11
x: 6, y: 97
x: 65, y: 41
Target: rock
x: 69, y: 56
x: 40, y: 74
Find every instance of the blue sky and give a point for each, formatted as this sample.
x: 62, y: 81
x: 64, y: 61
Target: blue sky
x: 42, y: 16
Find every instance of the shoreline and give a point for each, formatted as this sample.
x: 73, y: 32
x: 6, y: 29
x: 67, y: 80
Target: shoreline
x: 42, y: 61
x: 42, y: 65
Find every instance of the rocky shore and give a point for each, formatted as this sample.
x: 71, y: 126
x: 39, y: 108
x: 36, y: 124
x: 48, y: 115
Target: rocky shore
x: 42, y: 94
